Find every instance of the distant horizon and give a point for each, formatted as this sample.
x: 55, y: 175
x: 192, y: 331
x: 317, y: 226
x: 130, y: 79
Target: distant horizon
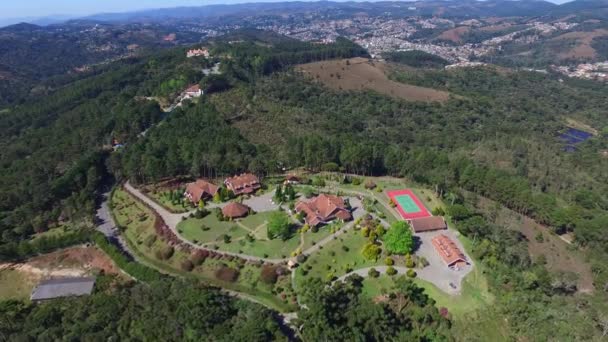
x: 37, y: 10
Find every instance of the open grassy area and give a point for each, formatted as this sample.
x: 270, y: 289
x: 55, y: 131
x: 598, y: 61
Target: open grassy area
x: 273, y: 249
x: 140, y: 235
x: 15, y: 284
x: 337, y: 257
x: 209, y: 229
x: 311, y: 238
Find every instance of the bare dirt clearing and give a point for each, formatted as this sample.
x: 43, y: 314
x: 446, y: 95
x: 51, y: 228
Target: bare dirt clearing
x: 583, y: 40
x: 361, y: 74
x: 455, y: 34
x: 18, y: 279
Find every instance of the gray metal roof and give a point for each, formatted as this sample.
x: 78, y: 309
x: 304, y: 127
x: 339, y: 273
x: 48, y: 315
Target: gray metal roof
x: 63, y: 287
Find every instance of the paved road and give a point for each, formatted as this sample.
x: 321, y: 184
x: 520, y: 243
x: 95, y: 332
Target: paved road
x: 172, y: 220
x: 107, y: 226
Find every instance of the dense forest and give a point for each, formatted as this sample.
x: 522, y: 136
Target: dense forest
x: 496, y: 137
x: 168, y: 310
x: 416, y: 59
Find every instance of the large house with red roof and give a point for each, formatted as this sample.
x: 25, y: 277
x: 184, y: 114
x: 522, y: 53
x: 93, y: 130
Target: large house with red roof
x: 323, y: 209
x: 245, y: 183
x: 201, y: 189
x: 449, y: 252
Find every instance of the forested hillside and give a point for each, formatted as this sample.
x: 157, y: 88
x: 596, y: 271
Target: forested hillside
x: 495, y: 138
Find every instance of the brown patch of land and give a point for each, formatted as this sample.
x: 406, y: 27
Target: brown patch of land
x: 495, y: 28
x: 559, y: 257
x: 581, y: 126
x: 583, y: 40
x: 17, y: 280
x: 361, y: 74
x: 455, y: 34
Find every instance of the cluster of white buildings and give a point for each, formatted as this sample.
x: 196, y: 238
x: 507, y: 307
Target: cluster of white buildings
x: 591, y: 71
x: 204, y: 52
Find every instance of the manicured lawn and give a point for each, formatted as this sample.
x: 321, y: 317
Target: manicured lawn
x: 334, y: 260
x: 373, y: 287
x: 192, y: 229
x: 323, y: 232
x: 15, y: 285
x: 255, y: 221
x: 273, y: 249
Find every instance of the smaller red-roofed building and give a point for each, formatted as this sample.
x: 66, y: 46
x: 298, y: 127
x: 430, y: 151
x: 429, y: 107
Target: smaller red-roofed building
x: 448, y: 250
x: 291, y: 179
x: 323, y: 209
x: 235, y: 210
x: 427, y: 224
x: 245, y: 183
x: 201, y: 189
x: 192, y: 91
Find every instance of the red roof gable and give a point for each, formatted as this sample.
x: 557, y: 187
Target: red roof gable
x: 235, y: 210
x: 200, y: 189
x: 324, y: 208
x: 447, y: 249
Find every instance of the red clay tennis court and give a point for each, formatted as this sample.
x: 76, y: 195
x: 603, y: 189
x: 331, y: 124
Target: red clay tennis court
x: 408, y: 204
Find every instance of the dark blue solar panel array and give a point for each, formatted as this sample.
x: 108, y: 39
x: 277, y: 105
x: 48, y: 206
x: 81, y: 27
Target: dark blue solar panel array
x: 572, y: 136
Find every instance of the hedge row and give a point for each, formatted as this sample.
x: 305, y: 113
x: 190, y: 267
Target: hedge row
x: 135, y: 269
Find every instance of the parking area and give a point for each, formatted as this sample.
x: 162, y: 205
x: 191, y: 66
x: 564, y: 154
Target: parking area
x: 262, y: 202
x: 438, y: 273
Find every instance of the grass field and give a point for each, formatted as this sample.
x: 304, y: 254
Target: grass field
x: 359, y: 74
x: 213, y: 231
x: 141, y: 237
x: 15, y: 284
x: 334, y: 260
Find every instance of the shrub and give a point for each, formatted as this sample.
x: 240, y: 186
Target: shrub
x: 150, y: 240
x: 409, y: 262
x: 345, y: 248
x: 365, y: 231
x: 356, y: 181
x: 391, y: 271
x: 226, y: 238
x: 301, y: 258
x: 438, y: 211
x: 199, y: 256
x: 373, y: 273
x: 314, y: 229
x: 165, y: 253
x: 423, y: 262
x: 269, y: 274
x: 389, y: 262
x: 187, y: 265
x: 411, y: 273
x: 371, y: 251
x: 226, y: 273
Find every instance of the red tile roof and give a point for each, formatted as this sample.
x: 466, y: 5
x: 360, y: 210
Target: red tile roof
x: 200, y: 189
x: 195, y: 88
x: 235, y: 210
x: 447, y: 249
x: 425, y: 224
x: 243, y: 184
x: 324, y: 208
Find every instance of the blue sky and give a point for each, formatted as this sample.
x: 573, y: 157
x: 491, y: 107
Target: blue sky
x: 38, y: 8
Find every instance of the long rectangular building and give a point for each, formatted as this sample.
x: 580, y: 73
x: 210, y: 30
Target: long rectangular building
x: 63, y: 287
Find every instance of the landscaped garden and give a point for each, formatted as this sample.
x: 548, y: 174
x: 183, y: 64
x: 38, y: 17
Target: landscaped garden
x: 267, y: 283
